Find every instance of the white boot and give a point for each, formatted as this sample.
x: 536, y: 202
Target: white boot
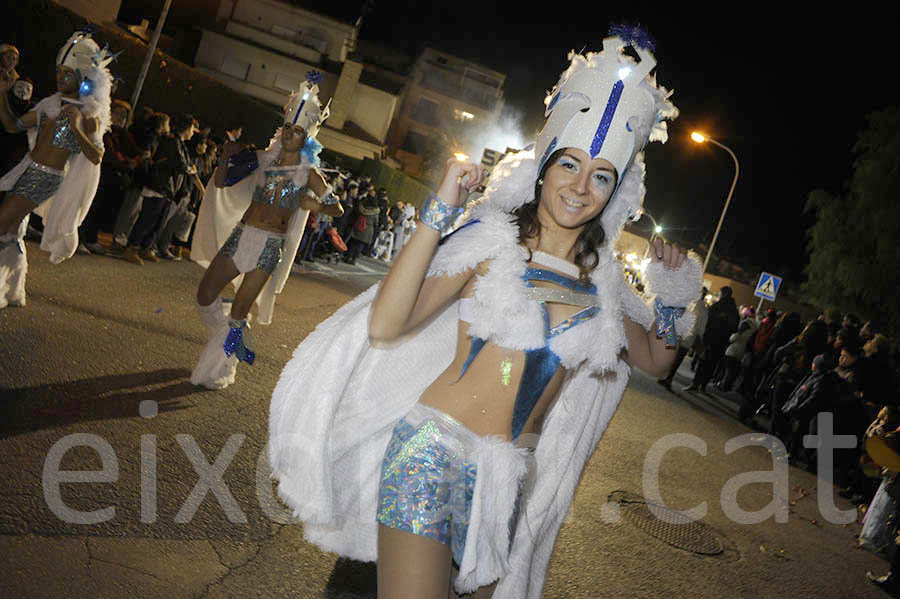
x: 215, y: 370
x: 13, y: 267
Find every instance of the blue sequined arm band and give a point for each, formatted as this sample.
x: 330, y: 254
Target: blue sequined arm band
x: 665, y: 322
x: 439, y: 215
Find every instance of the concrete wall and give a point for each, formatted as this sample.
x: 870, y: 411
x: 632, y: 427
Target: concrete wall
x: 337, y: 141
x: 269, y: 74
x: 286, y: 21
x: 373, y: 110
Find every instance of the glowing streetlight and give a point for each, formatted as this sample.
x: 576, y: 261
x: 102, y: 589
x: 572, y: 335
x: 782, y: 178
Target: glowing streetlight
x: 658, y: 229
x: 700, y: 138
x: 461, y: 156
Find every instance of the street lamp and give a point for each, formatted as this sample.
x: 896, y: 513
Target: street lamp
x: 700, y: 138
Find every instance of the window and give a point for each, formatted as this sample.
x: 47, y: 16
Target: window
x: 287, y: 83
x: 284, y: 32
x: 426, y: 112
x: 235, y: 68
x: 415, y: 143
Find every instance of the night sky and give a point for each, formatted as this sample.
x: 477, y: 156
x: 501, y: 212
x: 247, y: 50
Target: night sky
x: 787, y: 92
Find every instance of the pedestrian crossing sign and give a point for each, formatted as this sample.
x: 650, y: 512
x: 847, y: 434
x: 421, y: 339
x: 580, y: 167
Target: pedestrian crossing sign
x: 768, y: 286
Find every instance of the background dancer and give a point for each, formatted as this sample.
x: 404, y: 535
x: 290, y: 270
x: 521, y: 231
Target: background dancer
x: 65, y: 133
x: 467, y: 391
x: 266, y: 208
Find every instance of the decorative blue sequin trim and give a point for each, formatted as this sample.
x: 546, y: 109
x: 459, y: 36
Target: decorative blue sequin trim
x: 234, y: 343
x: 606, y: 120
x: 665, y: 322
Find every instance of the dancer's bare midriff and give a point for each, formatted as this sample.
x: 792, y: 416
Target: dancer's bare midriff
x: 268, y: 218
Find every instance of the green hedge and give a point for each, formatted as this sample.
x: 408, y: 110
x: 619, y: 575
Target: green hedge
x: 400, y: 187
x: 39, y: 28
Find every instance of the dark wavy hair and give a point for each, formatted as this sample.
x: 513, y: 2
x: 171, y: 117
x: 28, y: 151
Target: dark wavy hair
x: 593, y: 235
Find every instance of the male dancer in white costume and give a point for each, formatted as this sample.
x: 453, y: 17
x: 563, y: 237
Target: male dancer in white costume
x: 58, y: 178
x: 265, y: 211
x: 467, y: 390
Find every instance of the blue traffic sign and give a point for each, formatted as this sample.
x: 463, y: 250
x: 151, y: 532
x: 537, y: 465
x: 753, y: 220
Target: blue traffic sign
x: 768, y: 286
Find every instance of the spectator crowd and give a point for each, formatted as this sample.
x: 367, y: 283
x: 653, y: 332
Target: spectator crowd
x: 154, y: 173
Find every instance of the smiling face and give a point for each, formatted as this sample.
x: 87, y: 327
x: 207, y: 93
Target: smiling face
x: 576, y: 189
x: 66, y: 80
x: 293, y: 137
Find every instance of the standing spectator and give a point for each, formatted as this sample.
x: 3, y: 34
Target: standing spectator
x: 721, y: 323
x: 146, y: 135
x: 18, y: 98
x: 365, y: 227
x: 165, y: 187
x: 867, y: 331
x: 348, y: 202
x: 182, y: 211
x: 692, y: 341
x: 734, y: 354
x: 876, y: 377
x: 120, y: 158
x: 832, y: 318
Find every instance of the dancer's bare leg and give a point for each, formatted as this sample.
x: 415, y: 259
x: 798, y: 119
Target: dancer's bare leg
x: 411, y: 566
x: 218, y: 274
x: 253, y: 283
x: 12, y: 210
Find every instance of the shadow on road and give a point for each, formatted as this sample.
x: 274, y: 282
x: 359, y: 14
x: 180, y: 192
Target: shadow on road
x: 351, y: 580
x: 99, y: 398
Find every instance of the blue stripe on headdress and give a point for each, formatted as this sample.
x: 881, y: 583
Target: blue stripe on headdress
x: 608, y: 114
x: 299, y: 110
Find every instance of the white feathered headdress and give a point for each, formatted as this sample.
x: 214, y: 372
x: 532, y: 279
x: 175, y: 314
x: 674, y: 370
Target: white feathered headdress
x: 607, y: 105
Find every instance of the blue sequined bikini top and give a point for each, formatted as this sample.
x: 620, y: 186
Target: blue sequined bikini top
x: 279, y: 189
x: 63, y: 134
x: 541, y: 363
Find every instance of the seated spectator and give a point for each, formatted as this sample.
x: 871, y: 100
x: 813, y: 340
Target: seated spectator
x: 814, y: 394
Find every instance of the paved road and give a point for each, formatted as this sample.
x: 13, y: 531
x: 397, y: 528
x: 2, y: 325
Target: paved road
x: 103, y: 350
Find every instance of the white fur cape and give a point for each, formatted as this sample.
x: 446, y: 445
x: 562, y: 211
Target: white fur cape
x: 64, y: 212
x: 222, y: 209
x: 338, y: 398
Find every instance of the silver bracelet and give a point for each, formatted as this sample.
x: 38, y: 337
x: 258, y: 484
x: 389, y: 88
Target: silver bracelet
x: 439, y: 215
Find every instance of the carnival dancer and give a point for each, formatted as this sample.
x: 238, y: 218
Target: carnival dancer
x: 58, y: 177
x: 265, y: 210
x: 467, y: 390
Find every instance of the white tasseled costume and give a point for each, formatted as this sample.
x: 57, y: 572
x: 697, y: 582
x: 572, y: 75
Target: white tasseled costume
x: 339, y: 397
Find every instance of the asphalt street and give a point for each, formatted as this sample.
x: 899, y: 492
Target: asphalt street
x: 94, y: 380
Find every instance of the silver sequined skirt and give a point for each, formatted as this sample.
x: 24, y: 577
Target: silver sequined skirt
x: 38, y: 183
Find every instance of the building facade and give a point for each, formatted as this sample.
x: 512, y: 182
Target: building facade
x: 265, y: 48
x: 446, y: 101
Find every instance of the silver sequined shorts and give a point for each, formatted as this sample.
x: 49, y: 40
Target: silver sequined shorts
x: 252, y: 248
x: 37, y: 183
x: 428, y: 478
